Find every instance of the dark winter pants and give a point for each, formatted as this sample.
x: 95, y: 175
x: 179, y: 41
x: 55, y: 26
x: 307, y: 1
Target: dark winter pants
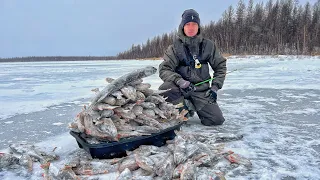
x: 208, y: 111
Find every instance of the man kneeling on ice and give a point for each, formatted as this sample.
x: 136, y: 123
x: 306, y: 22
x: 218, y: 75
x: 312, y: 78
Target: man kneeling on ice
x: 186, y: 65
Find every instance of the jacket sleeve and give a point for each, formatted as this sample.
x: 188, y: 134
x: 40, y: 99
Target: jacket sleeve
x: 218, y: 65
x: 168, y: 66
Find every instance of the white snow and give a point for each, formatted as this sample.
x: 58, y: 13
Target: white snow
x: 58, y: 124
x: 29, y: 120
x: 8, y: 122
x: 272, y: 100
x: 303, y: 111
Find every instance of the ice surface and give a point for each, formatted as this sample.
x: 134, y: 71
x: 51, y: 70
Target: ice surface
x: 29, y: 87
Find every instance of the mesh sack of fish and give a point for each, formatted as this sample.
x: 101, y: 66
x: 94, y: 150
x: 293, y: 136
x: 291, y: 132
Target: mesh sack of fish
x: 126, y: 108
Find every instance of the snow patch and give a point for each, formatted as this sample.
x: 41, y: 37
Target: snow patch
x: 307, y: 111
x: 8, y: 122
x: 58, y: 124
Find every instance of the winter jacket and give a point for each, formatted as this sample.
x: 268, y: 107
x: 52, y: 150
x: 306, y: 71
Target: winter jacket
x: 179, y: 62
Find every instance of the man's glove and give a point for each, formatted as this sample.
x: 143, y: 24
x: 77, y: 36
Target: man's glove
x: 212, y: 93
x: 186, y: 86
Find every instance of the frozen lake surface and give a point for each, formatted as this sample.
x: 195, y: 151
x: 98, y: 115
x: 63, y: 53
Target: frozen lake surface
x: 273, y: 101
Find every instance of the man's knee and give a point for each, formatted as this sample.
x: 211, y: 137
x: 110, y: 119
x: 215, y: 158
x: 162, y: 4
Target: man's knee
x: 211, y: 115
x: 212, y: 121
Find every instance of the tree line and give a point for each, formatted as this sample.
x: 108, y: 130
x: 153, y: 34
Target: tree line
x: 277, y: 27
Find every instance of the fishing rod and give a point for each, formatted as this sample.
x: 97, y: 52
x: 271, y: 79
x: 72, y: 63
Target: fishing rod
x: 202, y: 82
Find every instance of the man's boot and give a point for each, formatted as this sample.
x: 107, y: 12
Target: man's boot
x: 190, y: 107
x: 187, y: 105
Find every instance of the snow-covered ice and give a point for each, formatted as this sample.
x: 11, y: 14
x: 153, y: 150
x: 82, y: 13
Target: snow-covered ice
x: 272, y: 101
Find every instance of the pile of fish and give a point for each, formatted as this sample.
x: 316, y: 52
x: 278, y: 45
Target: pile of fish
x: 191, y: 155
x: 22, y: 157
x: 188, y: 156
x: 126, y: 108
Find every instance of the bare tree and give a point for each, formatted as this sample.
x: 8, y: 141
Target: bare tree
x: 278, y: 27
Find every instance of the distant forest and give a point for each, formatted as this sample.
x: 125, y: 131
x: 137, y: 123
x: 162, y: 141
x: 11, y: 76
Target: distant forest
x: 277, y: 27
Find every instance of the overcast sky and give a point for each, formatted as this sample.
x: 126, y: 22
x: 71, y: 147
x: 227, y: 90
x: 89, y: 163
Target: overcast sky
x: 93, y: 27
